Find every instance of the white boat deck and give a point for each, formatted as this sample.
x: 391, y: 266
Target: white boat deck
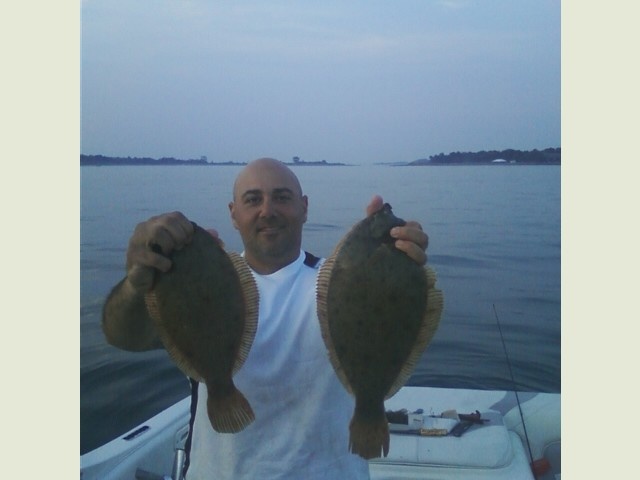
x: 493, y: 450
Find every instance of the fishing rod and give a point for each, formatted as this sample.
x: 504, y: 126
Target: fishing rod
x: 515, y: 390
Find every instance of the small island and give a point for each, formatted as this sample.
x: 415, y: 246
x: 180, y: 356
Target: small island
x: 322, y: 163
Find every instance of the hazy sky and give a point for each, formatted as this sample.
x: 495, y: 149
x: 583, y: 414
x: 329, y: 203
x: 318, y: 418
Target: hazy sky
x: 345, y: 81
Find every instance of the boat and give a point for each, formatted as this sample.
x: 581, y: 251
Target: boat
x: 446, y: 433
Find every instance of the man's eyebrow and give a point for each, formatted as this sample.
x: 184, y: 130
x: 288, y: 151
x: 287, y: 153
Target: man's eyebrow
x: 275, y: 191
x: 252, y: 192
x: 283, y: 190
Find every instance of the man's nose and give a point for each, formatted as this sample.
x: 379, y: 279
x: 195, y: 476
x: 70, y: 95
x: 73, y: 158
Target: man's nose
x: 267, y: 209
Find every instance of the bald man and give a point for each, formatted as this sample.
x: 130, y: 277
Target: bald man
x: 302, y: 411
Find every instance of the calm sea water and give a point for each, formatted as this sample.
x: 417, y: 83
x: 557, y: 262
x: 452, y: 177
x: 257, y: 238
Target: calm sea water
x: 494, y: 241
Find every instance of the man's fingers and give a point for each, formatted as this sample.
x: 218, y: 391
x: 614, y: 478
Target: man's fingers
x: 163, y: 241
x: 153, y: 259
x: 156, y: 238
x: 414, y: 252
x: 409, y: 238
x: 412, y: 240
x: 148, y: 257
x: 178, y: 228
x: 411, y: 232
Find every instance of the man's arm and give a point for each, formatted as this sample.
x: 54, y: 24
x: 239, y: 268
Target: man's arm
x: 125, y: 320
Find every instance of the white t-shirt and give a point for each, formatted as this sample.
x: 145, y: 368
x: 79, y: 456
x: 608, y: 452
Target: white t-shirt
x: 301, y: 429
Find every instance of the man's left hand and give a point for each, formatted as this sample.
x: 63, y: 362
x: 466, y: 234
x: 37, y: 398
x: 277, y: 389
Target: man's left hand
x: 409, y: 238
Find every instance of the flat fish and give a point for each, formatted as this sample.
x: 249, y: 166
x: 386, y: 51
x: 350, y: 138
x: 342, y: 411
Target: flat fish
x: 378, y: 311
x: 205, y: 310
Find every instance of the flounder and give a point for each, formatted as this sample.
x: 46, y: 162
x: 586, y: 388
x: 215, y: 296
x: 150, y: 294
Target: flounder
x: 378, y: 310
x: 206, y: 313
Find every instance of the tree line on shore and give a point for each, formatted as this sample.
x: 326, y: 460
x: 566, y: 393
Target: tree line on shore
x: 548, y: 156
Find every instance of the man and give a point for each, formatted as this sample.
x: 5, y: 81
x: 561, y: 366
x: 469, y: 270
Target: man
x: 302, y: 411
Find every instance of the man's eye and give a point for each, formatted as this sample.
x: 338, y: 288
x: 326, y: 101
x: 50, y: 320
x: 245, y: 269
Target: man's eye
x: 282, y: 198
x: 252, y: 200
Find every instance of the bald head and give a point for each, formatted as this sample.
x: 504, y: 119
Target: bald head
x: 267, y: 169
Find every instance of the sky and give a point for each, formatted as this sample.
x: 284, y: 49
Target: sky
x: 355, y: 82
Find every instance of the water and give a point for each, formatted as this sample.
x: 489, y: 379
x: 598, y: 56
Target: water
x: 494, y: 240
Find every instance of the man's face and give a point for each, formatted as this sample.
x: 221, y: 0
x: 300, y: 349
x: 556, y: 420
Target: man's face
x: 269, y: 211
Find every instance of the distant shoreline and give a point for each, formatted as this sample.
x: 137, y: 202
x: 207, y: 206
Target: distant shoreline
x: 548, y: 156
x: 103, y: 161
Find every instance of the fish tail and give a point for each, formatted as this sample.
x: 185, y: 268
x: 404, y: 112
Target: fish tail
x: 229, y: 413
x: 369, y: 436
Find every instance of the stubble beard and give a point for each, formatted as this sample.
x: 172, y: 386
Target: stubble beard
x: 274, y: 247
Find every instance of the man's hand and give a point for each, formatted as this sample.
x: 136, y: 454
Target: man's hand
x: 152, y: 241
x: 125, y: 320
x: 409, y: 238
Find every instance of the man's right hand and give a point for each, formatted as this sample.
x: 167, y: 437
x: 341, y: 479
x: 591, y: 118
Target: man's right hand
x: 125, y: 320
x: 152, y: 241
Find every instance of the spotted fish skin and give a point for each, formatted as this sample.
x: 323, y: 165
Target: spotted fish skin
x: 378, y: 310
x: 205, y: 310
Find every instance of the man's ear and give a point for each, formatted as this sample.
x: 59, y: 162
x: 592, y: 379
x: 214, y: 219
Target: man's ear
x: 305, y: 200
x: 232, y: 215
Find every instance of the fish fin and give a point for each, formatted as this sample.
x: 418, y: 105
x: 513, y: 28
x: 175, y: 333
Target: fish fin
x: 175, y: 353
x: 322, y: 290
x: 231, y: 413
x: 368, y: 437
x: 251, y: 304
x: 430, y: 322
